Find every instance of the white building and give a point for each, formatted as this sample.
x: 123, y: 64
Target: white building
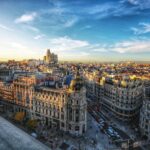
x: 64, y: 109
x: 119, y: 95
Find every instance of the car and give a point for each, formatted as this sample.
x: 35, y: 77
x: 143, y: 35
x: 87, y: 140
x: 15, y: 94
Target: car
x: 34, y: 135
x: 101, y: 121
x: 110, y: 129
x: 101, y: 126
x: 117, y: 135
x: 111, y: 134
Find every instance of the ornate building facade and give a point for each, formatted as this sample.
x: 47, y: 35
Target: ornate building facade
x: 145, y: 111
x: 59, y: 107
x: 121, y: 96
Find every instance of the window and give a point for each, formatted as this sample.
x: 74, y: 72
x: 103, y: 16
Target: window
x: 77, y: 128
x: 19, y: 96
x: 27, y: 99
x: 69, y: 126
x: 77, y: 111
x: 62, y: 124
x: 61, y: 109
x: 62, y: 116
x: 77, y: 118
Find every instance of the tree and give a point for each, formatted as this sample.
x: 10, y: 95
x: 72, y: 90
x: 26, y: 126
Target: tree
x: 32, y: 124
x: 19, y: 116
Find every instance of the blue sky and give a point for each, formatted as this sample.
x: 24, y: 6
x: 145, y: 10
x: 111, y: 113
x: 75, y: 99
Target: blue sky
x: 87, y: 30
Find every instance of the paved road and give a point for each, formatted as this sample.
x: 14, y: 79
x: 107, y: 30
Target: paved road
x: 13, y: 138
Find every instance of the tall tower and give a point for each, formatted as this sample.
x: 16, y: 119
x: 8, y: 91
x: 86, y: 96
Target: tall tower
x: 48, y: 52
x: 48, y: 56
x: 77, y: 107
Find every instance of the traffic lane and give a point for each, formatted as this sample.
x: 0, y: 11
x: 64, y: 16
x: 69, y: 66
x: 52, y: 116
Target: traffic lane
x: 100, y: 118
x: 122, y: 134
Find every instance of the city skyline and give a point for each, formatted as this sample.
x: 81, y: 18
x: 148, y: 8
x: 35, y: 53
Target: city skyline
x: 113, y: 30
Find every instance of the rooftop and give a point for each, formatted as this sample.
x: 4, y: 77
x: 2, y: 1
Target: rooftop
x: 13, y: 138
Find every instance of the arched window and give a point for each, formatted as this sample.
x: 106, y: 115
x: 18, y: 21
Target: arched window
x: 27, y: 99
x: 77, y: 128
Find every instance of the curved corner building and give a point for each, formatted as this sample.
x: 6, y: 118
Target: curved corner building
x: 145, y: 111
x: 122, y: 97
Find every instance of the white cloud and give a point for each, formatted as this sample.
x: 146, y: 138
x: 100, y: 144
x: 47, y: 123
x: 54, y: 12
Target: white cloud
x: 65, y: 43
x: 142, y: 29
x: 5, y: 27
x: 100, y: 49
x: 132, y: 46
x: 103, y: 8
x: 32, y: 28
x: 84, y: 54
x: 26, y: 18
x: 136, y: 30
x: 139, y: 4
x: 17, y: 45
x: 133, y: 2
x: 117, y: 9
x: 136, y: 46
x: 86, y: 27
x: 55, y: 10
x: 71, y: 22
x: 39, y: 36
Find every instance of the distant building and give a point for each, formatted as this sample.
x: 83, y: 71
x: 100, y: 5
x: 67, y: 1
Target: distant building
x: 5, y: 74
x: 50, y: 58
x: 44, y: 58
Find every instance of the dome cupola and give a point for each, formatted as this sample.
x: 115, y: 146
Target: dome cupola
x: 77, y: 83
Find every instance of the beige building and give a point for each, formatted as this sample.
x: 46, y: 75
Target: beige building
x: 61, y: 108
x: 65, y: 109
x: 50, y: 58
x: 145, y: 111
x: 119, y: 95
x: 123, y: 97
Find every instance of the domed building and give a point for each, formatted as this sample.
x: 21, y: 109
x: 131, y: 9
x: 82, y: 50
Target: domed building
x: 76, y: 84
x: 77, y: 106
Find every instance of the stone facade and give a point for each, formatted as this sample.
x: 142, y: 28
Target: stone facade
x: 61, y: 108
x: 145, y: 112
x: 119, y: 95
